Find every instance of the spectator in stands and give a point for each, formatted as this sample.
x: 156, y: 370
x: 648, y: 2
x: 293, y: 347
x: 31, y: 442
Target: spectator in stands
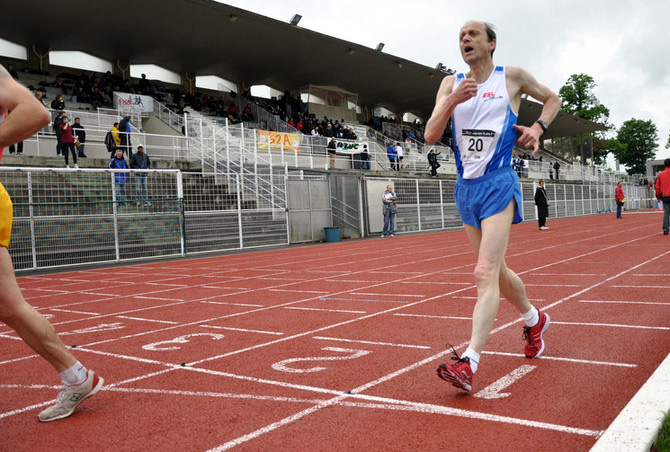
x: 98, y: 99
x: 247, y: 114
x: 67, y: 140
x: 12, y: 71
x: 80, y: 136
x: 328, y: 131
x: 58, y: 103
x: 124, y: 135
x: 332, y: 152
x: 542, y: 203
x: 432, y: 161
x: 115, y: 134
x: 39, y: 96
x: 120, y: 178
x: 233, y: 114
x: 400, y: 155
x: 663, y: 194
x: 365, y: 157
x: 143, y: 85
x: 81, y: 91
x: 391, y: 154
x: 619, y: 198
x: 58, y: 121
x: 79, y: 383
x: 58, y: 83
x: 389, y: 200
x: 140, y: 161
x: 557, y: 166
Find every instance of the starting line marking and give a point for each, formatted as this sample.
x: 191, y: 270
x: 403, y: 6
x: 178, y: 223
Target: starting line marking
x: 362, y: 299
x: 74, y: 312
x: 242, y: 329
x: 557, y: 358
x: 424, y: 316
x: 613, y: 325
x: 625, y: 302
x: 356, y: 341
x: 147, y: 320
x: 324, y: 310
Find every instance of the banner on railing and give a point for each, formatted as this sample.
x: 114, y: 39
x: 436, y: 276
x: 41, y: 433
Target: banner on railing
x: 351, y: 147
x: 129, y: 101
x: 289, y: 141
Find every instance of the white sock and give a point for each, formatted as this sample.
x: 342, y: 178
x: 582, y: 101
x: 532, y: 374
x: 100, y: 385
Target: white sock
x: 74, y: 375
x: 474, y: 358
x: 531, y: 317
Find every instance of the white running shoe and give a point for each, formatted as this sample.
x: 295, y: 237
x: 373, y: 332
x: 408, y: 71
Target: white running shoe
x: 71, y: 396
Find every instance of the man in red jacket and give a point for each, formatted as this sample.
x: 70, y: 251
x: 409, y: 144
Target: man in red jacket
x: 618, y: 197
x: 663, y: 194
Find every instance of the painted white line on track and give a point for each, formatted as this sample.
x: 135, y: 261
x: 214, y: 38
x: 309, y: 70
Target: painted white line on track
x: 567, y: 274
x: 614, y: 325
x: 636, y: 427
x: 169, y: 322
x: 551, y: 285
x: 73, y: 312
x: 625, y: 302
x: 373, y: 294
x: 643, y: 286
x: 357, y: 341
x: 234, y: 304
x: 296, y: 308
x: 275, y: 333
x: 299, y: 291
x: 447, y: 317
x: 558, y: 358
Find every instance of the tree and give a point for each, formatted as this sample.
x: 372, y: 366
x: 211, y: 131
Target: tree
x: 578, y: 99
x: 641, y: 140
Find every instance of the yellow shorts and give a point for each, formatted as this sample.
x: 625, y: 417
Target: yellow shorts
x: 6, y: 217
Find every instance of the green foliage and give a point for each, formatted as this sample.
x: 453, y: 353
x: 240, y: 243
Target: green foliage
x: 641, y: 140
x: 663, y: 440
x: 578, y: 99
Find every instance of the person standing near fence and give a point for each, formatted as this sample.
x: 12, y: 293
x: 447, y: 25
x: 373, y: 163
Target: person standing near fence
x: 124, y: 135
x: 542, y: 203
x: 67, y: 142
x: 432, y: 161
x: 663, y: 194
x: 28, y: 117
x: 483, y: 105
x: 80, y: 137
x: 392, y: 156
x: 389, y: 200
x: 140, y: 161
x: 619, y: 198
x: 120, y: 177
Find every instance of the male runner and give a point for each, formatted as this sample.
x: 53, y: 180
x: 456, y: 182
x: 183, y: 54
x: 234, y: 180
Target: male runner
x: 484, y: 105
x: 28, y: 116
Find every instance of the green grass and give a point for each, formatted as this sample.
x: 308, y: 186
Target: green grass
x: 663, y: 440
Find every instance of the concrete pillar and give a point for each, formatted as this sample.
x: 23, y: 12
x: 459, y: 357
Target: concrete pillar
x: 122, y: 69
x: 188, y: 82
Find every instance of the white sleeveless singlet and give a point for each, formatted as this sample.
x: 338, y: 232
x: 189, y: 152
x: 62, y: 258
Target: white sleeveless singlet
x: 482, y: 128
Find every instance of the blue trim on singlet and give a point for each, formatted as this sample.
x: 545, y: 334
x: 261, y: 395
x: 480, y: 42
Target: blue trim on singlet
x: 502, y: 156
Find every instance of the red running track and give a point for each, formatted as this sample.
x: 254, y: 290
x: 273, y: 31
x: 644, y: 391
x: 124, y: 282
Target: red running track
x: 335, y: 346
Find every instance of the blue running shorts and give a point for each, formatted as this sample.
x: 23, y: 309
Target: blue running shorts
x: 485, y: 196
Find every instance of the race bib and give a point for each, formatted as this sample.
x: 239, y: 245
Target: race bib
x: 476, y: 143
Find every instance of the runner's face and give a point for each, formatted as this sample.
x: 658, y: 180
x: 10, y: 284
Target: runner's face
x: 474, y: 42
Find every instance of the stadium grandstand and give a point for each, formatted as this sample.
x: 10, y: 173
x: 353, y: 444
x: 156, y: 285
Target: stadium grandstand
x: 232, y: 171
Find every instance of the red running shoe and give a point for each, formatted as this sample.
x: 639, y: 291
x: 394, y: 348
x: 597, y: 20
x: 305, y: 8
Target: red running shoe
x: 533, y: 336
x: 458, y: 373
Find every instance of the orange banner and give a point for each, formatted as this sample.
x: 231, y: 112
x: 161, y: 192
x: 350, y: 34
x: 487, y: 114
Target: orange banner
x: 289, y: 141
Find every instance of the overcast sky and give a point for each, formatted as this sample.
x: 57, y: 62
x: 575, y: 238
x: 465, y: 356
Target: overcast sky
x: 623, y: 44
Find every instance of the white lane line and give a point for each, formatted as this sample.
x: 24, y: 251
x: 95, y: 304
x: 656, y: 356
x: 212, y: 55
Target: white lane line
x: 558, y: 358
x: 614, y: 325
x: 147, y: 320
x: 447, y: 317
x: 551, y: 285
x: 295, y: 308
x: 275, y: 333
x: 356, y: 341
x: 386, y: 294
x: 636, y: 427
x: 73, y: 312
x: 643, y: 286
x: 299, y: 291
x: 234, y: 304
x: 624, y: 302
x: 567, y: 274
